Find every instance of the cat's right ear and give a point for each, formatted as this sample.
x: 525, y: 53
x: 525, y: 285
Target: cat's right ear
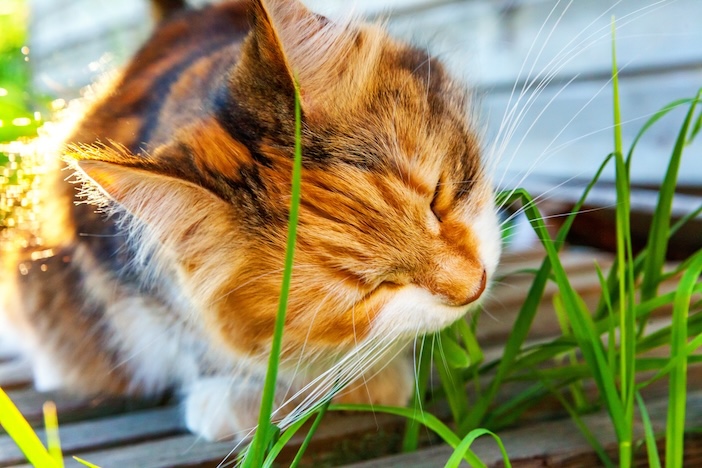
x: 289, y: 42
x: 172, y: 208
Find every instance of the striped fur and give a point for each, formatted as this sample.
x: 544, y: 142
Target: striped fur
x: 174, y: 281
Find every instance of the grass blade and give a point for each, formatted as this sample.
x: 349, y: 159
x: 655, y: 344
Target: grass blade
x: 256, y: 451
x: 428, y: 420
x: 85, y: 463
x: 305, y: 443
x: 623, y: 417
x: 284, y: 439
x: 53, y: 442
x: 454, y: 386
x: 22, y: 434
x: 654, y: 460
x: 458, y: 454
x: 675, y: 426
x: 658, y: 238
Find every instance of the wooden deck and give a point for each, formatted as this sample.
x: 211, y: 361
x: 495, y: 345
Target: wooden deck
x: 126, y: 433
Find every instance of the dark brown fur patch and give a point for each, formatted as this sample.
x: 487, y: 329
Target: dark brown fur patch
x: 215, y: 151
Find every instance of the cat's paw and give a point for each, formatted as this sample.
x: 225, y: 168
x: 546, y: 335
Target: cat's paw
x: 222, y: 408
x: 48, y: 374
x: 393, y: 385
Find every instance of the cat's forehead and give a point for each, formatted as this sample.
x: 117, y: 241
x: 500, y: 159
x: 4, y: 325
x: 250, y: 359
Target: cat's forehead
x: 409, y: 118
x: 408, y: 106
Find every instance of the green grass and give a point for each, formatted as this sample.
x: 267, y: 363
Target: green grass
x: 17, y: 103
x: 267, y: 433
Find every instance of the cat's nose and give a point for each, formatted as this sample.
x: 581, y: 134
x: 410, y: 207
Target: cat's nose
x: 462, y: 293
x: 478, y: 291
x: 458, y: 288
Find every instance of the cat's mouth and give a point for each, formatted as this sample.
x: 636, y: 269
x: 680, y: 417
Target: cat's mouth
x: 411, y: 310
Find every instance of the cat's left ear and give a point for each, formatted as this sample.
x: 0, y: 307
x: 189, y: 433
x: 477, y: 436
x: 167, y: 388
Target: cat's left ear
x: 297, y: 43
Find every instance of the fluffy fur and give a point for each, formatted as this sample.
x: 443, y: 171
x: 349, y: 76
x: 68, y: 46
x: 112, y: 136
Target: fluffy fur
x: 174, y: 282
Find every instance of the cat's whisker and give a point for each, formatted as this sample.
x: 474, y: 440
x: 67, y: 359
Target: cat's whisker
x: 533, y: 202
x: 343, y: 372
x: 302, y: 356
x: 572, y: 141
x: 432, y: 348
x: 444, y: 361
x: 511, y: 121
x: 582, y: 211
x: 509, y: 111
x: 551, y: 70
x: 246, y: 435
x: 526, y: 133
x: 570, y: 54
x: 417, y: 359
x: 547, y: 152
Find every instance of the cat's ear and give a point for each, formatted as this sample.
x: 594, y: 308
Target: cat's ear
x: 168, y: 205
x: 293, y: 42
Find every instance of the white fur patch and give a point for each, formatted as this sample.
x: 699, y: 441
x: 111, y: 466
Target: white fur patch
x: 414, y: 310
x: 222, y: 407
x: 155, y: 347
x: 486, y: 228
x: 48, y: 375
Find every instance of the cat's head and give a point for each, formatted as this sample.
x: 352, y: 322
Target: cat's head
x: 397, y: 231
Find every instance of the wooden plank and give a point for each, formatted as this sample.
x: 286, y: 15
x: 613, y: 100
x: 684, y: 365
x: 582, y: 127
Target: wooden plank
x: 554, y: 443
x: 15, y: 373
x: 189, y: 451
x: 73, y: 408
x: 178, y: 451
x: 105, y: 432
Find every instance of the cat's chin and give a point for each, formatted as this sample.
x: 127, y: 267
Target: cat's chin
x: 414, y: 311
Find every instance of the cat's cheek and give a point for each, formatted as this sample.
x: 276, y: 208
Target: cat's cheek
x: 486, y: 228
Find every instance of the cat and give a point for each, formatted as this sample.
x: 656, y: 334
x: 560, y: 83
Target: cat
x: 173, y: 281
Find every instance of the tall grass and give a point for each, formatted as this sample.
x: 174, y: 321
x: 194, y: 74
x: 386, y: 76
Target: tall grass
x: 606, y: 345
x: 266, y: 433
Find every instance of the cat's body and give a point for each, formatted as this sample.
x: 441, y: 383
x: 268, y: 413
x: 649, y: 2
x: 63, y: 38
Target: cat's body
x: 191, y: 155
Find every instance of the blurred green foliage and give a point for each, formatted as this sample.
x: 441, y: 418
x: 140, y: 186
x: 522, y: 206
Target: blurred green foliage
x: 17, y: 101
x: 20, y: 117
